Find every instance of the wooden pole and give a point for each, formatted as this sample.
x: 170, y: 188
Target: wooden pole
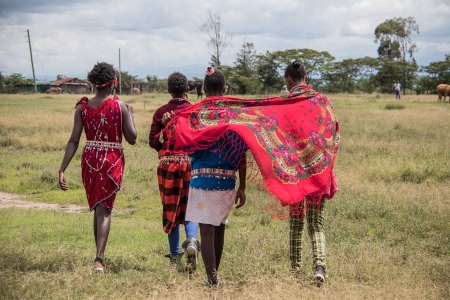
x: 32, y: 65
x: 120, y: 77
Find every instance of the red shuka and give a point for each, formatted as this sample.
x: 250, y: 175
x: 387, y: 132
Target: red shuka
x: 102, y: 167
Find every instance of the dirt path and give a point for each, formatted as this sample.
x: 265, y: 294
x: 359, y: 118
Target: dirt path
x: 8, y: 200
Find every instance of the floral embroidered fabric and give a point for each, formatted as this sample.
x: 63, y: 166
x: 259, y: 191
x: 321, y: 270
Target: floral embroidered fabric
x: 293, y: 139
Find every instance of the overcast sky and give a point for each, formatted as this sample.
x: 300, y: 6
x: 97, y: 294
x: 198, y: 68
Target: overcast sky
x: 160, y: 37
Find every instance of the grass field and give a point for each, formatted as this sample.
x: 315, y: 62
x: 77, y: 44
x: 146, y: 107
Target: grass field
x: 388, y: 228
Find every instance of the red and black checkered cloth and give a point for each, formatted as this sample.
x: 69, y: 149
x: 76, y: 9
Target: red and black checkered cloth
x: 173, y: 180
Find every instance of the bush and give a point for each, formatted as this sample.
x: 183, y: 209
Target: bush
x: 394, y: 106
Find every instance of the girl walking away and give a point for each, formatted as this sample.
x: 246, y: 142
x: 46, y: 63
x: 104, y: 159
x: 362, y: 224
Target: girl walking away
x: 174, y: 174
x: 213, y: 185
x: 104, y: 120
x: 293, y: 139
x: 295, y: 76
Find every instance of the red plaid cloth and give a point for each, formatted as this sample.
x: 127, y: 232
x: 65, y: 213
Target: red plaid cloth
x: 173, y: 180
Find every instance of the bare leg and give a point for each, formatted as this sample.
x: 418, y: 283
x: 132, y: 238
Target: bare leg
x: 208, y: 252
x: 102, y: 225
x: 219, y: 239
x: 95, y: 229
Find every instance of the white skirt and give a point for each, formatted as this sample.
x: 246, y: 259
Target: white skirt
x: 209, y: 207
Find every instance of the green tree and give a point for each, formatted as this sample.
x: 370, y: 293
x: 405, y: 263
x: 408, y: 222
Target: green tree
x: 439, y: 71
x: 390, y: 71
x: 155, y: 84
x: 267, y: 70
x: 244, y: 75
x: 315, y: 62
x: 368, y: 68
x: 2, y: 78
x: 342, y: 78
x: 126, y: 80
x: 14, y: 79
x: 424, y: 85
x: 245, y: 63
x: 395, y: 43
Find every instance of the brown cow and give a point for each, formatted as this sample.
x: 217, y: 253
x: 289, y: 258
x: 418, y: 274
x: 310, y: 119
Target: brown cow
x: 136, y: 91
x: 55, y: 90
x: 443, y: 90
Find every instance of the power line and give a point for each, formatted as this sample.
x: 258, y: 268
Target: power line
x: 9, y: 23
x: 8, y: 37
x: 40, y: 62
x: 12, y: 34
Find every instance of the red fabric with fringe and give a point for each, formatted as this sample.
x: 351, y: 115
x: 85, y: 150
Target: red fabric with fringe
x: 293, y: 139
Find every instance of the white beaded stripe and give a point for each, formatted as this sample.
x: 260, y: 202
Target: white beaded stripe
x: 101, y: 144
x: 213, y: 171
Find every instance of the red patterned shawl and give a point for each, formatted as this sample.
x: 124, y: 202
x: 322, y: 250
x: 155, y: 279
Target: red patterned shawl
x: 293, y: 139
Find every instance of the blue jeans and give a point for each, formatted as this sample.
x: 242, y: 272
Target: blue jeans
x: 191, y: 229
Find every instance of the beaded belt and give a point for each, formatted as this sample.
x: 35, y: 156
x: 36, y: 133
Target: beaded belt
x: 175, y: 158
x: 213, y: 171
x: 101, y: 144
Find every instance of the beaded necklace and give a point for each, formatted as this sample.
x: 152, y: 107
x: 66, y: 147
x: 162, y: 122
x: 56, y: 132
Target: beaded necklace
x: 298, y: 88
x: 177, y: 100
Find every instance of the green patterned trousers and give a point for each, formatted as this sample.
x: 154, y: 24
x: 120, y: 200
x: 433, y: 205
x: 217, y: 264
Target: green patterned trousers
x: 316, y: 232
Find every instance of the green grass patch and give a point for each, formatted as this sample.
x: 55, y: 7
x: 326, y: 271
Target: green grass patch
x: 387, y: 228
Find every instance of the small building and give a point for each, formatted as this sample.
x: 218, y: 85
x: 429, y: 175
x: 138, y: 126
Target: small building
x: 73, y: 86
x: 24, y: 88
x: 142, y: 86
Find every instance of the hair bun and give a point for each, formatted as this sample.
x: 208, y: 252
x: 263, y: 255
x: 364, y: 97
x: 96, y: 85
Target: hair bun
x: 209, y: 71
x: 296, y: 64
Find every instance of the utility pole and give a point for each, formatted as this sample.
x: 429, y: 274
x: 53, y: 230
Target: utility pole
x: 120, y: 77
x: 32, y: 65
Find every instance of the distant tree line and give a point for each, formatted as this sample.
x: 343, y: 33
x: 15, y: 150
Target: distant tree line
x: 262, y: 73
x: 254, y: 73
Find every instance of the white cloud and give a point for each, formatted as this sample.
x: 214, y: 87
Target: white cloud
x: 70, y: 37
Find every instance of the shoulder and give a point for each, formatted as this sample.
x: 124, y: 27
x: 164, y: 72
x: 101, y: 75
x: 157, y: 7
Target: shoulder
x: 81, y: 101
x: 121, y: 103
x: 162, y: 109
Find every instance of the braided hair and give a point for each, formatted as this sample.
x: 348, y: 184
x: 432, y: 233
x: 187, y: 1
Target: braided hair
x: 296, y: 71
x: 177, y: 83
x: 101, y: 73
x: 214, y: 81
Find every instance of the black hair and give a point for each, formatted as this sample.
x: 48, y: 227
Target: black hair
x: 101, y: 73
x: 214, y: 83
x: 177, y: 83
x: 296, y: 71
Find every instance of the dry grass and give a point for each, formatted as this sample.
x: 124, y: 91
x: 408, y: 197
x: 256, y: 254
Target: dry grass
x: 388, y: 233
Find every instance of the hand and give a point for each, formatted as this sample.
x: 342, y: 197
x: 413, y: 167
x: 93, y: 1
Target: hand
x: 167, y: 117
x: 62, y: 181
x: 240, y: 198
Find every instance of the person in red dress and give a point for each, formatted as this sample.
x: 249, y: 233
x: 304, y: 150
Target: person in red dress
x: 104, y: 120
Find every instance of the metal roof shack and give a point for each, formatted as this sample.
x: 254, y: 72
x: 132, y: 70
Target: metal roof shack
x: 73, y: 86
x: 29, y: 88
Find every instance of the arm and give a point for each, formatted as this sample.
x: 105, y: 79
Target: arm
x: 128, y: 127
x: 155, y: 128
x: 72, y: 146
x: 240, y: 194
